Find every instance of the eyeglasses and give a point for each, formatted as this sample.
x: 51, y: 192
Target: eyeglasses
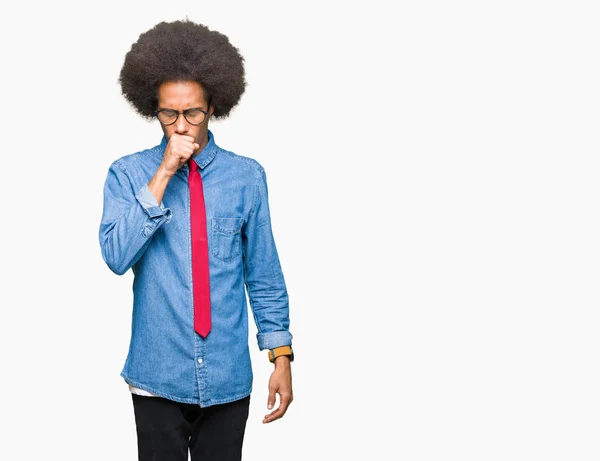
x: 194, y: 116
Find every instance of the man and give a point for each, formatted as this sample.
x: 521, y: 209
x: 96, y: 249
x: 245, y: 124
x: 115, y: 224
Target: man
x: 192, y: 221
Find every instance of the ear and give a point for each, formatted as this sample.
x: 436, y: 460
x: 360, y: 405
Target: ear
x: 211, y: 109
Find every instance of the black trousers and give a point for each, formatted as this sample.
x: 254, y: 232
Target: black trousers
x: 166, y: 430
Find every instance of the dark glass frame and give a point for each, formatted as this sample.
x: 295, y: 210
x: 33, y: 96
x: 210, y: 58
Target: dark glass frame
x: 184, y: 113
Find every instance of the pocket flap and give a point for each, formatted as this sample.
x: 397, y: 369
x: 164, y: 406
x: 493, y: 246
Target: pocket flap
x: 227, y: 226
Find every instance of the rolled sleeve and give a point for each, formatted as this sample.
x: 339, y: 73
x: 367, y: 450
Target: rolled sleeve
x: 274, y: 339
x: 150, y: 205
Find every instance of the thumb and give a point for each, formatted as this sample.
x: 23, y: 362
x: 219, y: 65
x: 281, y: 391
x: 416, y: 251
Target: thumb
x: 271, y: 399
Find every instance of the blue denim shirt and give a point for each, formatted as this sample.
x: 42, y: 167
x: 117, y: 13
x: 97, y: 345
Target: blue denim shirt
x: 166, y: 356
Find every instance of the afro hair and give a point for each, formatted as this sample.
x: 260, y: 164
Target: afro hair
x: 183, y: 51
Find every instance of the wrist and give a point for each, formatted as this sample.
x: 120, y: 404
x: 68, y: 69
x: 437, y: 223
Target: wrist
x: 282, y: 361
x: 164, y: 173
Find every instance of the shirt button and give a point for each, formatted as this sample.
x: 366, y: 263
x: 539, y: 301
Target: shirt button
x: 199, y: 360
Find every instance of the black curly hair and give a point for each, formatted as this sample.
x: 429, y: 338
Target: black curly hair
x: 183, y: 51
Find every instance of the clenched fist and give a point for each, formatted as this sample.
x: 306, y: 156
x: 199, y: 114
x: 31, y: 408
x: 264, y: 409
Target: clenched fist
x: 179, y: 150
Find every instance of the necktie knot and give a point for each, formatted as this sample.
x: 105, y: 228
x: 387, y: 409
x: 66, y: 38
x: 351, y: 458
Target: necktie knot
x: 193, y: 165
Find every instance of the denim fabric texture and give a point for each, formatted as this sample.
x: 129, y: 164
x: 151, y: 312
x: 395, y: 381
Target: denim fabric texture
x: 166, y: 356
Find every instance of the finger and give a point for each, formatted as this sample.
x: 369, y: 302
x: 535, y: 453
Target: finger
x: 271, y: 399
x: 284, y: 403
x: 183, y: 151
x: 183, y: 137
x: 274, y: 415
x: 187, y: 149
x: 182, y: 140
x: 187, y: 138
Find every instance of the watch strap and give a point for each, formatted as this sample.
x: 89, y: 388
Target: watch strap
x: 279, y: 351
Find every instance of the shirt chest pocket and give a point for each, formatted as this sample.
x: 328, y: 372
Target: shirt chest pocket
x: 226, y: 238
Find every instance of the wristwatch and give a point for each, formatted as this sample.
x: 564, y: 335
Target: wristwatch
x: 279, y: 351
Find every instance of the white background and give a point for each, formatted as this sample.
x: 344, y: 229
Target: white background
x: 433, y: 176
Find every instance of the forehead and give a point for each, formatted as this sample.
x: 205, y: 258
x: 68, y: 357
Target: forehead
x: 181, y: 95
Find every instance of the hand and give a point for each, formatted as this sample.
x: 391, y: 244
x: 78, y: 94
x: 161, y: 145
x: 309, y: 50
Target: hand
x: 280, y: 383
x: 178, y: 151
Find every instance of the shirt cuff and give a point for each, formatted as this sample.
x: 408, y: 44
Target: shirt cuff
x: 150, y: 204
x: 274, y: 339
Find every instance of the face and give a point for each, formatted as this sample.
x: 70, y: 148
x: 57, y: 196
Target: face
x: 180, y: 96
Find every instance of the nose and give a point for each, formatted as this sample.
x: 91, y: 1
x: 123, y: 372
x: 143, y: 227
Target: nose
x: 181, y: 125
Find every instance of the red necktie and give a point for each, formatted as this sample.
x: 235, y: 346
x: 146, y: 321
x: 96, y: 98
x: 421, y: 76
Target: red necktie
x: 200, y: 275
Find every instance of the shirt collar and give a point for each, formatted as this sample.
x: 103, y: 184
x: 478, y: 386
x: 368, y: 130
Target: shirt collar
x: 205, y: 156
